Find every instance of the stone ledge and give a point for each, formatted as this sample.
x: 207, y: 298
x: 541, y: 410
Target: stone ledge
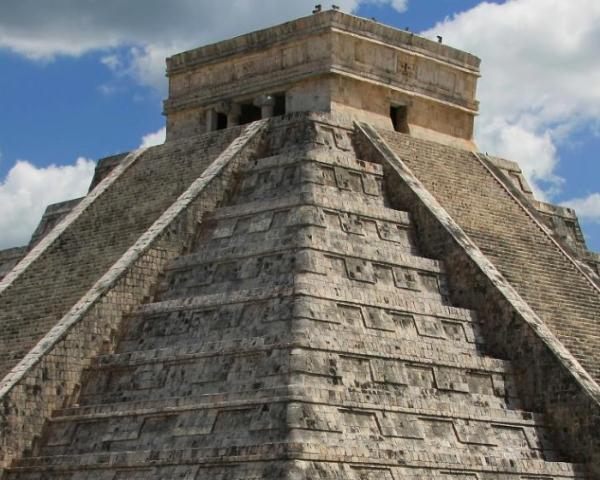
x: 315, y: 23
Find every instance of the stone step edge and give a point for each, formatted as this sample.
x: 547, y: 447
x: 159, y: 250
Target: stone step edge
x: 310, y: 199
x: 445, y: 348
x: 206, y: 301
x: 310, y: 283
x: 324, y: 156
x: 265, y: 249
x: 172, y: 355
x: 348, y: 291
x: 514, y: 417
x: 320, y: 240
x: 463, y: 349
x: 297, y: 451
x: 473, y: 401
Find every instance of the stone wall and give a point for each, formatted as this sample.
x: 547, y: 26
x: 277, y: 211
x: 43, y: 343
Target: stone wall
x: 48, y: 376
x: 551, y: 283
x: 99, y: 232
x: 548, y: 376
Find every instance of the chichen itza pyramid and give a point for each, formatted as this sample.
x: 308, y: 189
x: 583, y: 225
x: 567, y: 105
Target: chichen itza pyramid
x: 317, y: 277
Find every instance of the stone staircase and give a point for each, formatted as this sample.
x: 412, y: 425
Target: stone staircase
x: 303, y: 337
x: 550, y: 283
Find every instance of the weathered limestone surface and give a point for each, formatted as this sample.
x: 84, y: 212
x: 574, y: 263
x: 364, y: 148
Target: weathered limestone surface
x: 33, y: 301
x: 49, y: 376
x: 547, y: 375
x: 535, y: 266
x: 303, y: 336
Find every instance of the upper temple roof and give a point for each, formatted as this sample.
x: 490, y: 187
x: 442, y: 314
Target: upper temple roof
x: 323, y: 21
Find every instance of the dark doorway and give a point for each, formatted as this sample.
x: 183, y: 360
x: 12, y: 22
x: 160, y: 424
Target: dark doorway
x: 221, y: 121
x: 249, y: 113
x: 399, y: 116
x: 279, y: 108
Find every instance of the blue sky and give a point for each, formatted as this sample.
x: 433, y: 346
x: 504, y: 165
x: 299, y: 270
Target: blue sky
x: 82, y: 80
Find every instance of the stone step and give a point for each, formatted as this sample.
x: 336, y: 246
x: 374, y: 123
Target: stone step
x: 359, y: 457
x: 363, y: 189
x: 311, y: 238
x: 317, y: 307
x: 270, y: 177
x: 258, y: 363
x: 186, y: 428
x: 317, y: 194
x: 166, y: 324
x: 411, y: 275
x: 367, y: 347
x: 322, y: 156
x: 309, y: 200
x: 281, y: 223
x: 385, y: 294
x: 335, y: 396
x: 279, y: 469
x: 407, y: 400
x: 353, y: 239
x: 208, y: 326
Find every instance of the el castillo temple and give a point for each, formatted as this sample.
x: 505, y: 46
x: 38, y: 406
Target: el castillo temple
x: 317, y: 276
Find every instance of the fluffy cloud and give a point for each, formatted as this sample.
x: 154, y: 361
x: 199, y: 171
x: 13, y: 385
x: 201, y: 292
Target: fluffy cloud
x: 400, y: 5
x: 541, y: 76
x: 150, y: 29
x: 587, y: 208
x: 154, y: 138
x: 27, y: 190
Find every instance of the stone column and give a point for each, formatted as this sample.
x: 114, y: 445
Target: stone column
x: 266, y: 104
x: 211, y: 120
x: 233, y: 115
x: 232, y: 110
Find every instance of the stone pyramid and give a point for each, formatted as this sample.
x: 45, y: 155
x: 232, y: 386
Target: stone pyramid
x: 309, y: 296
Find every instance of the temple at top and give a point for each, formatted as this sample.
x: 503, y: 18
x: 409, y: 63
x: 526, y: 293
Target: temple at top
x: 328, y: 62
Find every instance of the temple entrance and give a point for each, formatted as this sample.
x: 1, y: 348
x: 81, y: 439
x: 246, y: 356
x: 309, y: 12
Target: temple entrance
x: 399, y: 116
x: 249, y: 113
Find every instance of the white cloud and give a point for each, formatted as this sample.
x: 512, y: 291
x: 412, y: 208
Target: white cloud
x: 541, y: 76
x: 535, y: 152
x: 400, y: 5
x: 154, y: 138
x: 111, y: 61
x: 107, y: 89
x: 27, y: 190
x: 587, y: 208
x: 154, y: 29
